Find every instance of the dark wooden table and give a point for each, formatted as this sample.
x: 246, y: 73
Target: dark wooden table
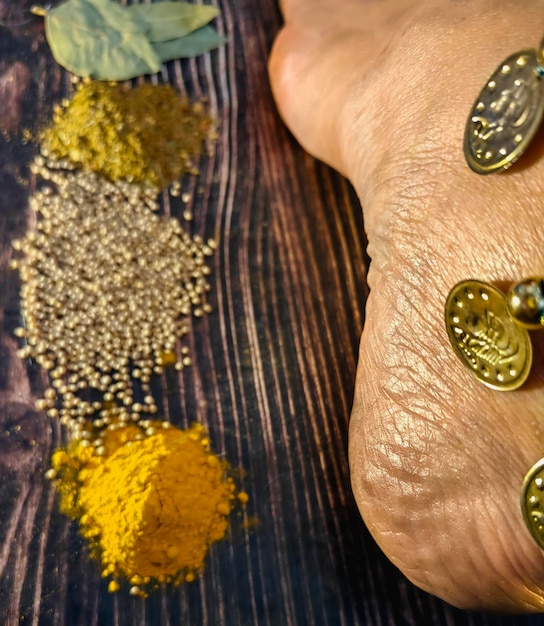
x: 272, y: 378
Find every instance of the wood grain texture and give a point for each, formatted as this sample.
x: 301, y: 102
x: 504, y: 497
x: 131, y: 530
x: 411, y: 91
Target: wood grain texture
x: 272, y: 375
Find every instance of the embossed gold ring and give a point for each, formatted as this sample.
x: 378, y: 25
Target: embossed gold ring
x: 488, y: 329
x: 526, y: 305
x: 507, y: 113
x: 532, y: 501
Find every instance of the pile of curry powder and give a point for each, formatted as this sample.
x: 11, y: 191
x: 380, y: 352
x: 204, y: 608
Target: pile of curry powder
x: 150, y: 506
x: 147, y: 135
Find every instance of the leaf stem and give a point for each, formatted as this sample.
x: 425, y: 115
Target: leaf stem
x: 37, y: 10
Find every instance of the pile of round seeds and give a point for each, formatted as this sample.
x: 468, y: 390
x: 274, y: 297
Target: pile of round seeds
x: 107, y: 285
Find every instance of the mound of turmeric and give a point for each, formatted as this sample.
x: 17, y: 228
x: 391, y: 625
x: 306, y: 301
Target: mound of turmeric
x: 151, y: 505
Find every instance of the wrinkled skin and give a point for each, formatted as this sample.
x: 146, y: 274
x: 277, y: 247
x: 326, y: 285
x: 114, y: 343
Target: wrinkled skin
x: 380, y: 90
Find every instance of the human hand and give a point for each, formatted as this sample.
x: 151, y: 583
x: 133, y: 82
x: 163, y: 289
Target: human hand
x: 381, y: 91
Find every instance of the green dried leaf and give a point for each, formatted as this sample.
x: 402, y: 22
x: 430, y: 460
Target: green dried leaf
x: 170, y: 20
x: 101, y: 39
x: 199, y: 42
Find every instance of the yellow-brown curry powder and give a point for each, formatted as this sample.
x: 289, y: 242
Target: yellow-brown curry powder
x: 152, y: 506
x: 149, y: 134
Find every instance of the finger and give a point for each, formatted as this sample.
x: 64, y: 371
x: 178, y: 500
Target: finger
x: 288, y: 7
x: 373, y: 9
x: 292, y: 8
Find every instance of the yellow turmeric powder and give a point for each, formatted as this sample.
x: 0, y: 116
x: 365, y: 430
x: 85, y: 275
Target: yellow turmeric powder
x: 148, y: 135
x: 151, y: 505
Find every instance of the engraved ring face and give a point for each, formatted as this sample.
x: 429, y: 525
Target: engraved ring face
x: 495, y: 349
x: 532, y: 501
x: 506, y: 115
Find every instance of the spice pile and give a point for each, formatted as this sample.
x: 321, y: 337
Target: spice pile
x: 108, y: 286
x: 146, y: 135
x: 176, y: 496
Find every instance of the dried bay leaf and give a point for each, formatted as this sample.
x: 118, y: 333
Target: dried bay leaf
x: 99, y: 38
x: 198, y: 42
x: 171, y: 20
